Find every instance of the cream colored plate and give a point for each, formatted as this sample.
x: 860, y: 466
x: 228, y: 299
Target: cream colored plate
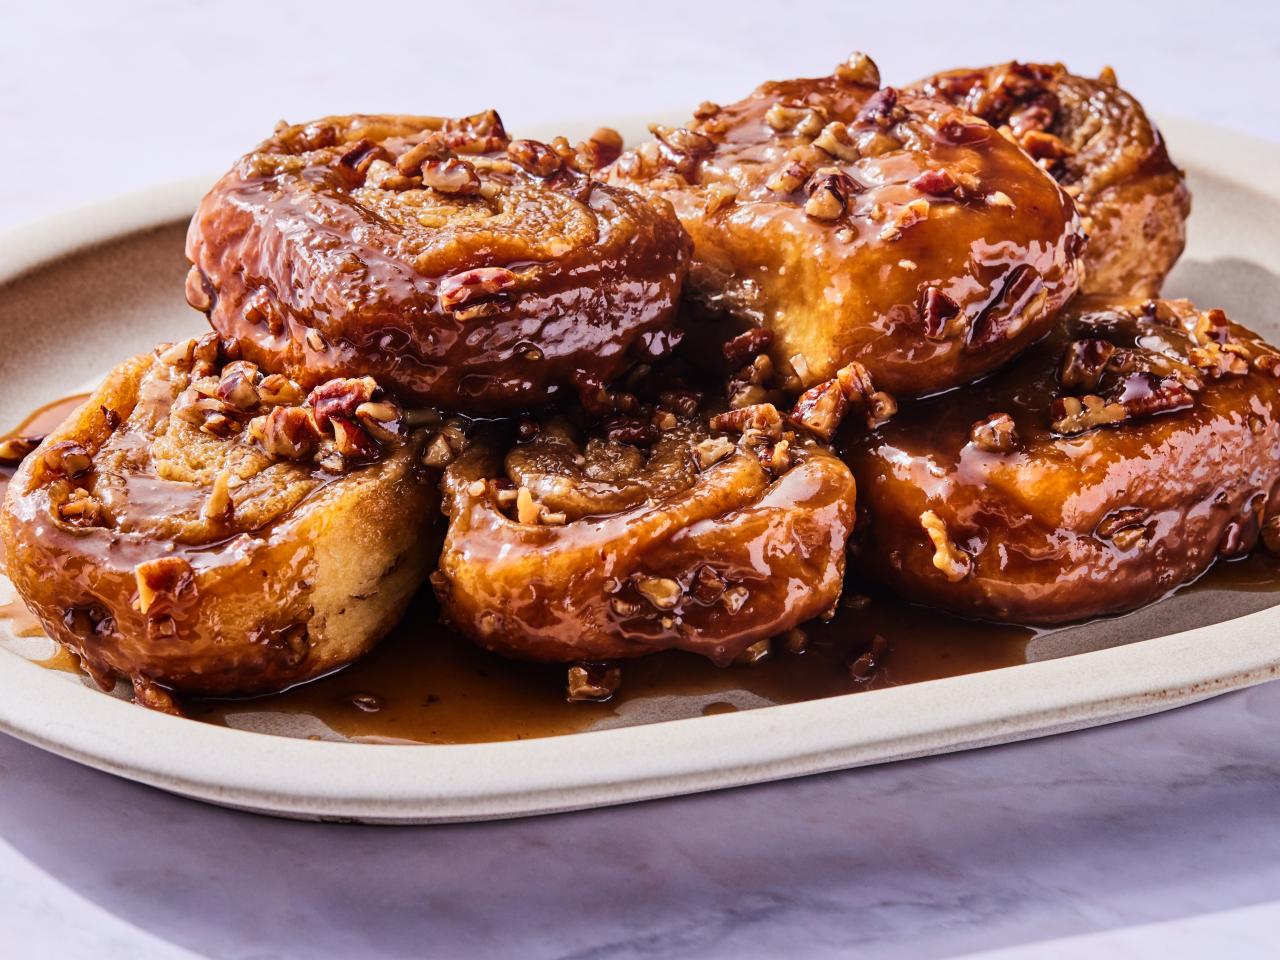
x: 70, y: 309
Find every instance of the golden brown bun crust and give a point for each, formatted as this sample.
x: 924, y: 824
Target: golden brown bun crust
x: 1098, y: 142
x: 1067, y: 525
x: 861, y: 224
x: 158, y: 552
x: 327, y: 262
x: 642, y: 553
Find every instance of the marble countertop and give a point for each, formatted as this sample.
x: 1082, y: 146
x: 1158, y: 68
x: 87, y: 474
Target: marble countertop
x: 1153, y: 838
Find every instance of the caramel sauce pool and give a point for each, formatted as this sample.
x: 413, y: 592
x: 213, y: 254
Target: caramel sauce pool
x: 425, y: 684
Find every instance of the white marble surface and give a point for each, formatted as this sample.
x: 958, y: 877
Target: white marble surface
x: 1154, y: 838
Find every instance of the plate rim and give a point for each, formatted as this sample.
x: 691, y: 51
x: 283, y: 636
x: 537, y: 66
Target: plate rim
x: 444, y: 783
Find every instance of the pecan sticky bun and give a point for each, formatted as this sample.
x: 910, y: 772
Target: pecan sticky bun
x: 460, y: 267
x: 1097, y: 141
x: 199, y: 527
x: 862, y: 223
x: 1110, y: 464
x: 663, y: 529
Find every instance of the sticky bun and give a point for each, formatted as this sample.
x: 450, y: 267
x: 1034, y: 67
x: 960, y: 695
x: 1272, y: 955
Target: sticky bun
x: 458, y: 266
x: 199, y: 527
x: 1098, y: 143
x: 1111, y: 463
x: 670, y: 529
x: 862, y: 223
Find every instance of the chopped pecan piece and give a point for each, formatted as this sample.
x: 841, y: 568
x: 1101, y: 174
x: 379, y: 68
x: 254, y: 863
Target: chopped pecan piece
x: 340, y: 397
x: 593, y: 681
x: 534, y: 156
x: 286, y: 432
x: 452, y: 176
x: 936, y: 310
x: 859, y: 68
x: 995, y: 434
x: 953, y: 562
x: 829, y: 190
x: 834, y: 139
x: 165, y: 580
x: 747, y: 345
x: 1083, y: 363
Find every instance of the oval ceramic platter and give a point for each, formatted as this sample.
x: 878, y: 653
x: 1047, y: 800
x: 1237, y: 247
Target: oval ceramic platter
x: 81, y: 291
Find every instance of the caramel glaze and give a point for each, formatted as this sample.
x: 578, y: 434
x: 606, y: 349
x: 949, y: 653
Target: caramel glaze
x: 1099, y: 144
x: 34, y: 428
x: 860, y: 223
x: 489, y: 292
x: 113, y: 545
x: 427, y: 684
x: 709, y: 545
x: 1067, y: 524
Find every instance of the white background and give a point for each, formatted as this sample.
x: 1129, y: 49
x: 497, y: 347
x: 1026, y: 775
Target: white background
x: 1157, y: 838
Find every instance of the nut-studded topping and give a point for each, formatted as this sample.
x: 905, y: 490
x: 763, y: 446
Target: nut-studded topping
x: 859, y: 68
x: 383, y: 419
x: 534, y: 157
x: 995, y: 434
x: 908, y: 216
x: 1078, y: 414
x: 712, y: 450
x: 937, y: 310
x: 747, y: 345
x: 471, y: 286
x: 67, y: 458
x: 829, y: 191
x: 353, y: 441
x: 381, y: 175
x: 1044, y: 147
x: 340, y: 398
x: 412, y: 160
x: 478, y: 133
x: 682, y: 140
x: 834, y: 139
x: 452, y: 176
x: 278, y: 390
x: 360, y: 156
x: 790, y: 178
x: 802, y: 121
x: 936, y: 183
x: 719, y: 196
x: 599, y: 150
x: 821, y: 408
x: 662, y: 592
x: 953, y: 562
x: 593, y: 681
x: 761, y: 418
x: 1218, y: 361
x: 1083, y: 363
x: 289, y: 433
x: 80, y: 508
x: 164, y: 580
x: 882, y: 108
x: 237, y: 387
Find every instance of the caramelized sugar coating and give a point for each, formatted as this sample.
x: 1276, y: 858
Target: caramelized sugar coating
x: 860, y: 223
x: 1113, y: 462
x: 707, y: 540
x: 197, y: 527
x: 457, y: 266
x: 1099, y: 144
